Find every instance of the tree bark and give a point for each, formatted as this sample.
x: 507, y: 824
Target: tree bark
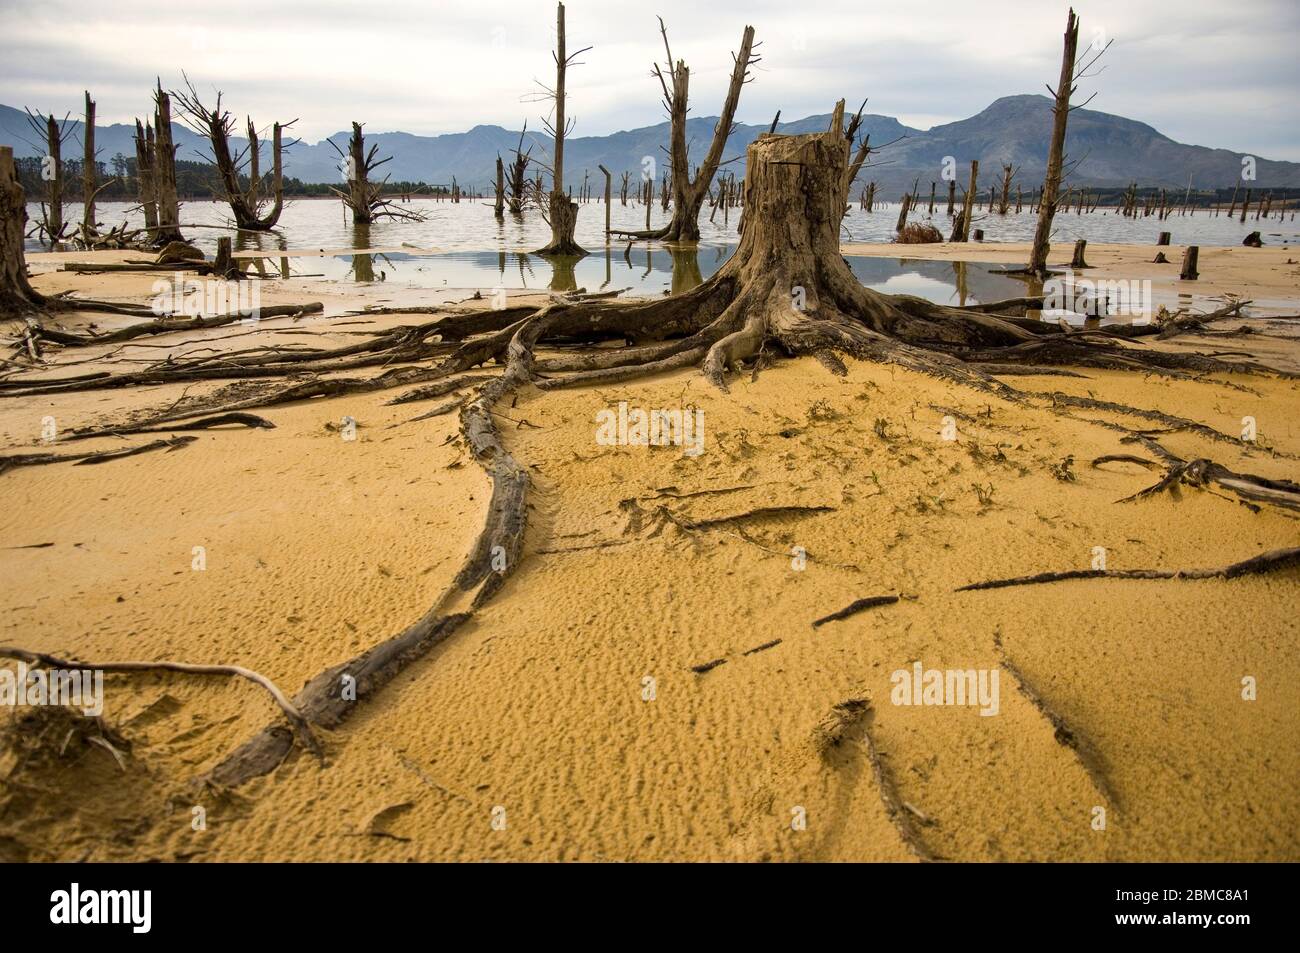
x: 17, y: 296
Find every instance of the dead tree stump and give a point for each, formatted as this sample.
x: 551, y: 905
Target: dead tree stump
x: 1077, y: 261
x: 1164, y: 238
x: 1189, y: 272
x: 16, y: 293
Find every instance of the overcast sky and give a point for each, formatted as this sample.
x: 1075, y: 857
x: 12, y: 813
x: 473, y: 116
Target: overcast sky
x: 1209, y: 72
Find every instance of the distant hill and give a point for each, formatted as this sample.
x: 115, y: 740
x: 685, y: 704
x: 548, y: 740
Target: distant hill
x: 1110, y: 150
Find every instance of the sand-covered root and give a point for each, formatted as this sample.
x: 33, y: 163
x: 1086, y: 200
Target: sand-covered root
x: 283, y: 550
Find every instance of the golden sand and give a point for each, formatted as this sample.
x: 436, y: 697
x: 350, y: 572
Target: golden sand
x: 565, y: 720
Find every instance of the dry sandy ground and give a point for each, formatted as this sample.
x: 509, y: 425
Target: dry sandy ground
x: 565, y: 721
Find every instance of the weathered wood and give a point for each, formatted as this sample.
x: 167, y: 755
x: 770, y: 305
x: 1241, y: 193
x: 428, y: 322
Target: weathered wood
x: 563, y: 211
x: 164, y: 172
x: 1078, y: 261
x: 16, y: 293
x: 89, y: 227
x: 688, y: 193
x: 1189, y: 272
x: 1056, y: 149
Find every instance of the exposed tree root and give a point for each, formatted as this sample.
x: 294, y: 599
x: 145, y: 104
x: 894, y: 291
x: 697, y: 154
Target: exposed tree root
x: 206, y: 423
x: 1089, y: 758
x: 1273, y: 561
x: 1248, y: 488
x: 14, y: 461
x: 854, y: 608
x: 170, y: 324
x: 329, y: 698
x: 295, y: 717
x: 851, y: 720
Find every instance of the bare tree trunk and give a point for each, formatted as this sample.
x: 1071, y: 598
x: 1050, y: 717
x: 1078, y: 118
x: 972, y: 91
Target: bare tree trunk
x: 968, y: 207
x: 688, y: 193
x: 1056, y: 151
x: 608, y: 188
x: 88, y: 226
x: 144, y: 175
x: 164, y: 172
x: 563, y: 210
x: 16, y: 293
x: 1005, y: 203
x: 358, y: 181
x: 54, y: 196
x: 904, y: 208
x: 499, y: 209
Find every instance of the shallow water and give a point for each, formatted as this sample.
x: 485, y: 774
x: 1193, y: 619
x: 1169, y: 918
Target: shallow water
x: 470, y: 226
x: 642, y: 270
x: 462, y: 246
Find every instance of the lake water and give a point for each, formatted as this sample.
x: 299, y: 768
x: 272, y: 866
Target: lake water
x: 463, y: 246
x: 470, y: 226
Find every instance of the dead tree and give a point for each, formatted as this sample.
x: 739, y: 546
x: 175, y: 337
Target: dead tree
x: 689, y: 193
x: 499, y: 206
x: 1061, y: 110
x: 961, y: 226
x: 608, y: 189
x: 863, y: 150
x: 251, y: 209
x: 517, y: 175
x: 144, y: 149
x: 1008, y: 173
x: 364, y: 197
x: 563, y: 211
x: 55, y: 134
x: 164, y: 172
x: 89, y: 228
x: 17, y: 296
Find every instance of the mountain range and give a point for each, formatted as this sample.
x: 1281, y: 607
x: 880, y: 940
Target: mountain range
x: 1110, y: 151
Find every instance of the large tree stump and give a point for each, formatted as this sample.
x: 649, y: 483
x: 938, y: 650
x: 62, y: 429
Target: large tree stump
x: 17, y: 296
